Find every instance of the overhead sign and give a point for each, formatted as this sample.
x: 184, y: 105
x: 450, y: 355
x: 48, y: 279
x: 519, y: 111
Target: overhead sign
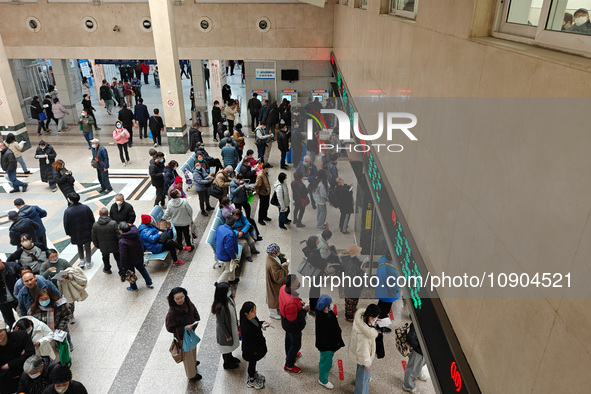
x: 265, y: 73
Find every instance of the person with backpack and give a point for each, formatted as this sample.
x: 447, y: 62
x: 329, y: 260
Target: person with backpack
x: 362, y: 346
x: 416, y: 361
x: 387, y: 290
x: 328, y: 338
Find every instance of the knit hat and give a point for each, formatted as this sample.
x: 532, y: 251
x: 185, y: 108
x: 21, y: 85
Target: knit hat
x: 12, y: 215
x: 323, y: 302
x: 146, y: 219
x: 178, y: 179
x: 61, y: 374
x: 273, y: 249
x: 353, y: 250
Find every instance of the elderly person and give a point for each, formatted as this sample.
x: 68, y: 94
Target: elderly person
x: 182, y: 314
x: 202, y: 179
x: 78, y: 221
x: 223, y: 180
x: 36, y: 375
x: 178, y: 186
x: 131, y: 252
x: 105, y: 236
x: 100, y: 161
x: 121, y: 210
x: 180, y: 213
x: 63, y: 383
x: 46, y: 156
x: 276, y: 270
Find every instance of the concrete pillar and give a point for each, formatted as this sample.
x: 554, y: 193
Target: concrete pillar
x: 11, y: 115
x: 68, y: 84
x: 167, y: 57
x: 200, y: 90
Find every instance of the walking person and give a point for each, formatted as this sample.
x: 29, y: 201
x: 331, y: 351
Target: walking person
x: 293, y: 320
x: 156, y: 171
x: 136, y: 86
x: 38, y: 114
x: 141, y: 115
x: 126, y: 117
x: 276, y: 270
x: 128, y: 92
x: 362, y: 346
x: 180, y: 213
x: 206, y: 75
x: 87, y: 105
x: 121, y: 136
x: 105, y: 236
x: 46, y: 155
x: 16, y: 148
x: 121, y: 210
x: 156, y: 127
x: 146, y: 71
x: 120, y: 93
x: 319, y: 189
x: 300, y: 199
x: 64, y: 178
x: 8, y: 164
x: 156, y: 77
x: 131, y: 253
x: 254, y: 345
x: 59, y: 113
x: 86, y: 123
x: 85, y: 87
x: 263, y: 189
x: 216, y: 119
x: 282, y: 191
x: 387, y: 290
x: 106, y: 94
x: 226, y: 250
x: 100, y: 161
x: 47, y: 104
x: 345, y: 204
x: 183, y: 315
x: 328, y: 338
x: 416, y: 362
x: 78, y: 221
x: 254, y: 108
x: 224, y: 309
x: 352, y: 268
x: 283, y: 137
x: 202, y: 179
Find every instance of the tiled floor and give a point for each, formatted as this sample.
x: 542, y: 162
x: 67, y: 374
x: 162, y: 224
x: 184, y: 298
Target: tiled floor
x: 121, y: 345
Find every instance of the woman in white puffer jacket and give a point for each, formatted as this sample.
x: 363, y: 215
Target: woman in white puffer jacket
x: 362, y: 346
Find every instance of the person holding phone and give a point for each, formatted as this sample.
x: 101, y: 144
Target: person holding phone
x: 254, y: 345
x: 182, y: 314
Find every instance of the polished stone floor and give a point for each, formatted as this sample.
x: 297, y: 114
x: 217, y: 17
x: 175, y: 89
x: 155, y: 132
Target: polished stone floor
x: 121, y: 345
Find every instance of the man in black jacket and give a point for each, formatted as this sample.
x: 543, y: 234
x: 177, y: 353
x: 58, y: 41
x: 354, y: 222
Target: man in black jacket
x: 9, y: 274
x: 36, y: 375
x: 122, y: 211
x: 415, y: 361
x: 87, y: 105
x: 156, y: 172
x: 8, y: 164
x: 37, y: 109
x: 142, y: 115
x: 105, y: 236
x: 254, y: 107
x: 106, y: 94
x: 15, y: 348
x: 216, y: 117
x: 21, y: 226
x: 156, y: 126
x: 126, y: 117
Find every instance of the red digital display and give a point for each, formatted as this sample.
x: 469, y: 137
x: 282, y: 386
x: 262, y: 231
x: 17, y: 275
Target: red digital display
x: 455, y: 376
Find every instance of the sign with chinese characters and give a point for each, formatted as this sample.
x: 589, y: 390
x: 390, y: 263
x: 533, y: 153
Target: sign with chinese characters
x: 265, y: 73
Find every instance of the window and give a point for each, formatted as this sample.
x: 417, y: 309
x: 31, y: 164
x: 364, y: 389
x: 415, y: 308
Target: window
x: 404, y: 8
x: 554, y: 23
x: 363, y: 4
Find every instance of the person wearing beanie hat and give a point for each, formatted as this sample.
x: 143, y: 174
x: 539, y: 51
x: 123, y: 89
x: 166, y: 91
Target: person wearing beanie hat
x: 352, y: 267
x: 63, y: 383
x: 276, y: 270
x: 178, y: 186
x: 146, y: 219
x: 151, y: 238
x: 328, y: 338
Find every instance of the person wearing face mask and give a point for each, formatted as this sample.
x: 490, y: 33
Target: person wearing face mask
x: 362, y: 345
x: 222, y: 180
x: 63, y: 383
x: 78, y: 221
x: 178, y: 186
x: 262, y: 136
x: 262, y: 187
x: 216, y: 117
x: 53, y: 311
x: 170, y: 175
x: 87, y: 105
x: 156, y: 125
x: 276, y: 270
x: 282, y: 192
x: 182, y: 314
x: 15, y: 348
x: 28, y: 286
x: 254, y: 345
x: 581, y: 24
x: 202, y: 179
x: 314, y: 256
x: 328, y: 338
x: 209, y: 160
x: 224, y: 309
x: 100, y: 161
x: 30, y: 254
x: 352, y: 268
x: 64, y: 178
x: 157, y: 173
x: 46, y: 155
x: 309, y: 172
x: 41, y: 335
x: 53, y: 266
x: 238, y: 193
x: 36, y: 375
x: 121, y: 210
x: 229, y: 154
x: 126, y: 117
x: 86, y: 123
x: 293, y: 320
x: 121, y: 136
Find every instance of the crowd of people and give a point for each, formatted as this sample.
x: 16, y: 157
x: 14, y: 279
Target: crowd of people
x: 43, y: 289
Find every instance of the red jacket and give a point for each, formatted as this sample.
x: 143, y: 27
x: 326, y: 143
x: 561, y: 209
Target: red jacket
x: 145, y: 68
x: 293, y: 316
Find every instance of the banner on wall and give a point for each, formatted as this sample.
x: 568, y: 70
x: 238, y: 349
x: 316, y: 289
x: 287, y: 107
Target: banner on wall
x: 215, y: 80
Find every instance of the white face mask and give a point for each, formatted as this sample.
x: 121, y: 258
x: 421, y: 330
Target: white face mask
x: 61, y: 389
x: 119, y: 203
x: 581, y: 20
x: 35, y: 375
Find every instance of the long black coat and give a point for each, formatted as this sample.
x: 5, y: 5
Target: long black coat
x: 126, y: 117
x: 48, y: 173
x: 78, y: 221
x: 283, y: 140
x: 105, y: 235
x: 254, y: 345
x: 178, y: 318
x: 124, y: 214
x: 65, y: 182
x: 328, y: 332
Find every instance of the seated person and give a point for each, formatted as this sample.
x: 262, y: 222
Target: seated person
x: 242, y: 230
x: 150, y: 236
x: 29, y: 254
x: 15, y: 348
x: 226, y: 207
x: 36, y: 375
x: 210, y: 161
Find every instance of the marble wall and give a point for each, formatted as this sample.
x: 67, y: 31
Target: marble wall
x: 518, y: 203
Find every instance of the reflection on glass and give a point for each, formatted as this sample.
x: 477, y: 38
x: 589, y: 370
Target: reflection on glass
x: 524, y: 12
x: 570, y: 16
x: 403, y: 5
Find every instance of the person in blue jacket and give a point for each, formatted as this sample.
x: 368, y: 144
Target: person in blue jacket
x: 226, y: 250
x: 100, y: 160
x: 244, y: 233
x: 387, y: 290
x: 150, y: 236
x: 34, y: 213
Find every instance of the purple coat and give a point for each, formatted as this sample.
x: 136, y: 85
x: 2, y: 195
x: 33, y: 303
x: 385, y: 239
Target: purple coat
x: 131, y: 248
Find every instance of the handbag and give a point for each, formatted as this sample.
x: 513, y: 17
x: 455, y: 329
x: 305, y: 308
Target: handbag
x: 215, y: 191
x: 42, y: 116
x: 94, y: 163
x: 275, y: 200
x: 190, y: 340
x: 176, y: 351
x: 307, y: 269
x: 380, y: 350
x: 130, y: 276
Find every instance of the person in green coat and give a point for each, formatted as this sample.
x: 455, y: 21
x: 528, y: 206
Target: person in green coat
x: 86, y: 123
x: 53, y: 266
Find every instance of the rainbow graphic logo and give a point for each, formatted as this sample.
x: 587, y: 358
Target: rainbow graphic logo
x: 316, y: 116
